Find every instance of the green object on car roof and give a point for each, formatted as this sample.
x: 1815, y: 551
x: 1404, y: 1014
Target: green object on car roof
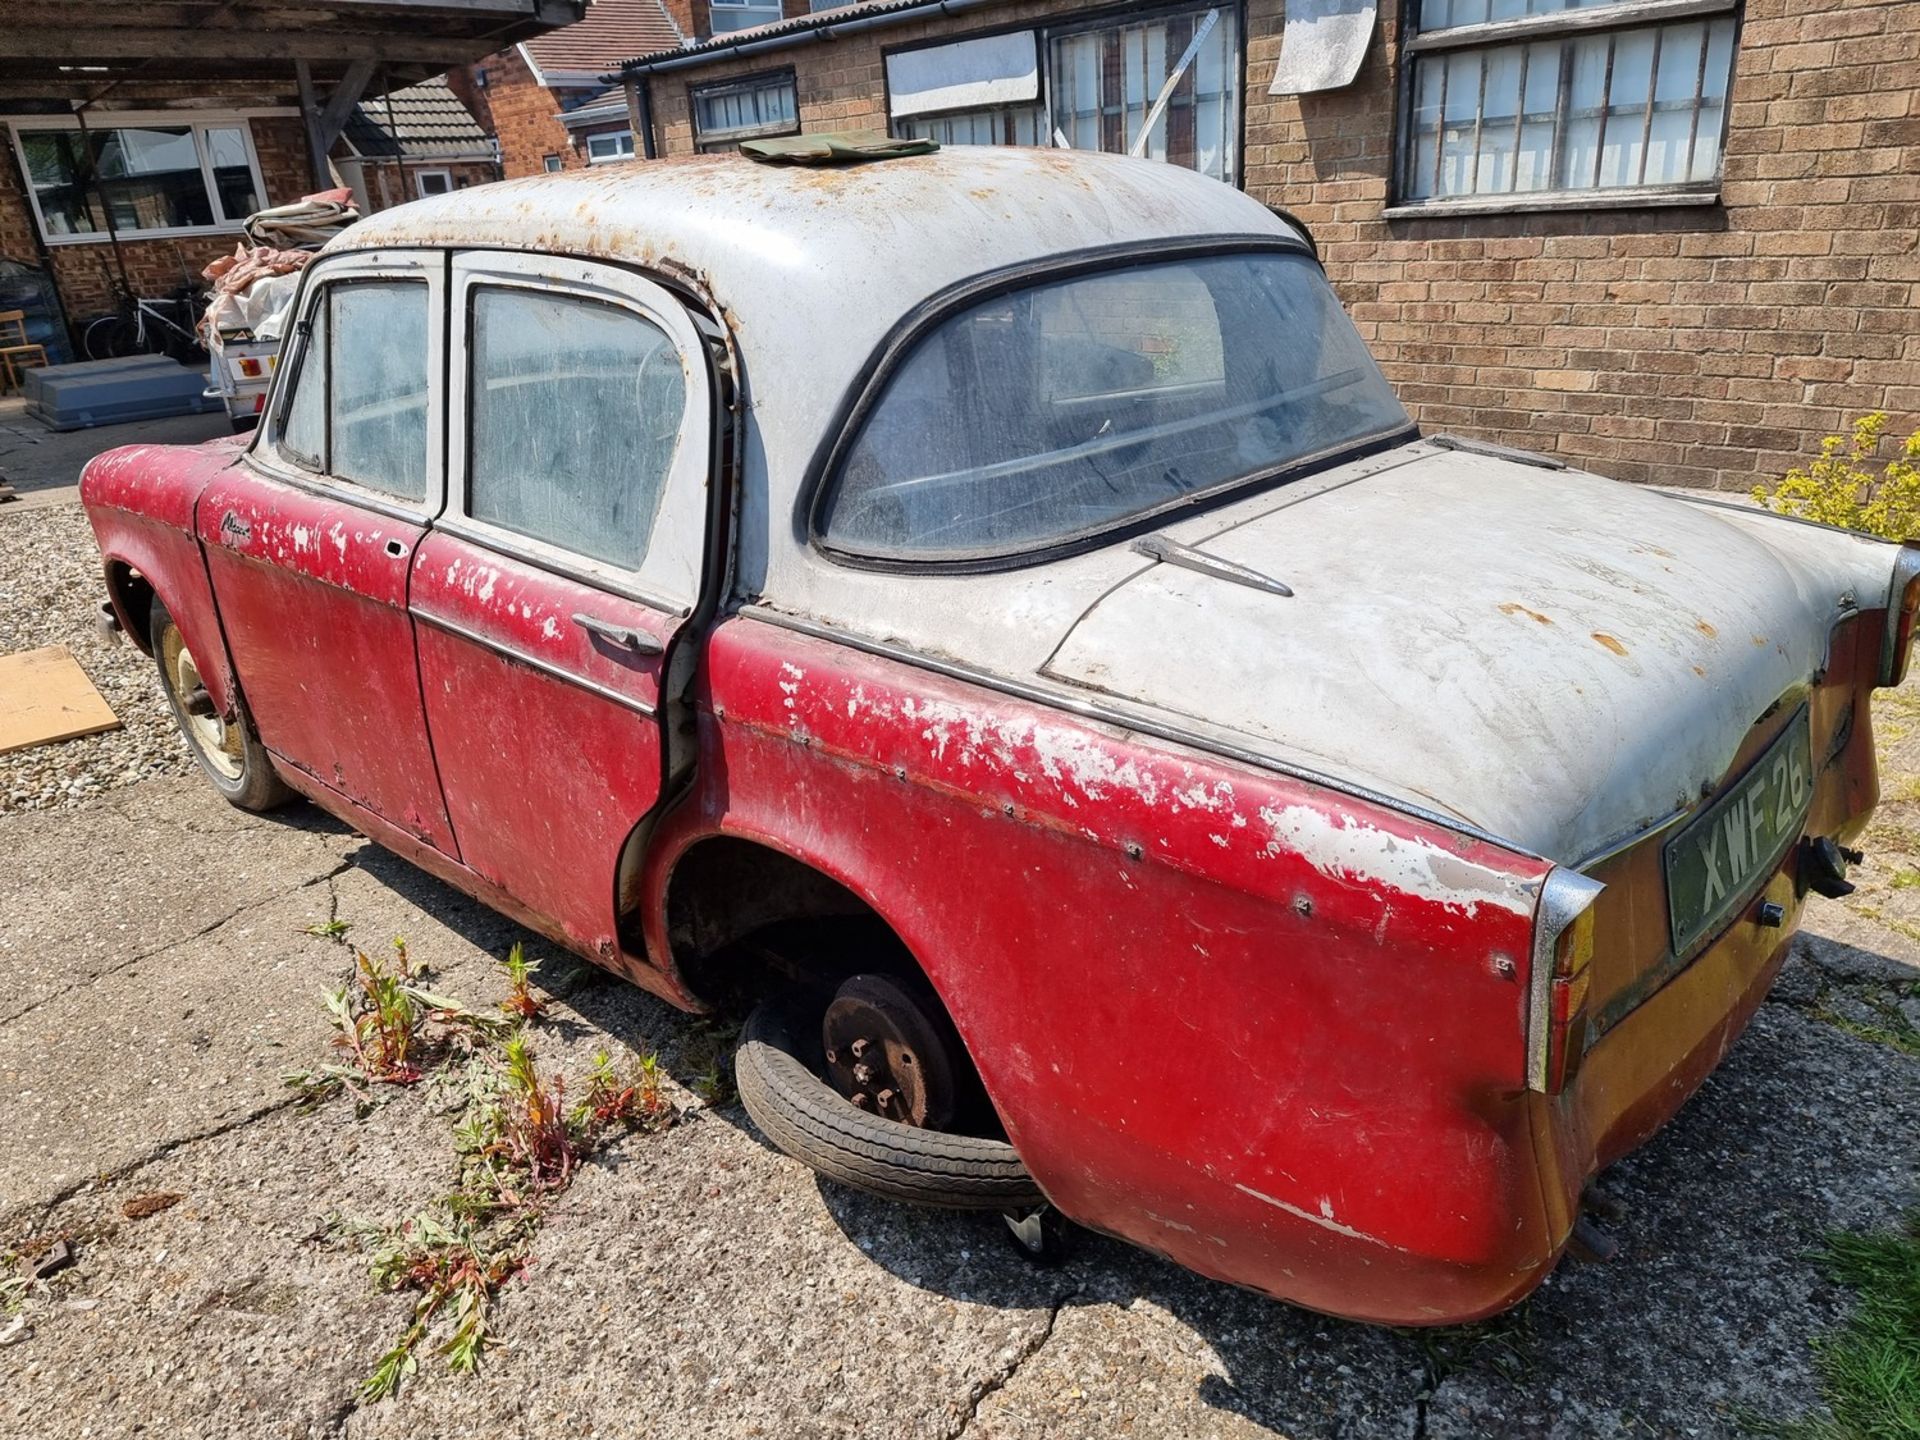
x: 851, y: 148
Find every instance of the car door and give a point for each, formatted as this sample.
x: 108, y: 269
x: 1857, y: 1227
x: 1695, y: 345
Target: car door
x: 569, y: 556
x: 310, y: 539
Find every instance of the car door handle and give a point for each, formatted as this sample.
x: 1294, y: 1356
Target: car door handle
x: 638, y: 641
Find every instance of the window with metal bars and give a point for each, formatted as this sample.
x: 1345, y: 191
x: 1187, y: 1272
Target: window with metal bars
x: 1563, y: 100
x: 726, y: 114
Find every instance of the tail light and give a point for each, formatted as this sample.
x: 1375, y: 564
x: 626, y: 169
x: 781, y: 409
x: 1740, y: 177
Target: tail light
x: 1560, y: 979
x: 1903, y: 603
x: 251, y: 368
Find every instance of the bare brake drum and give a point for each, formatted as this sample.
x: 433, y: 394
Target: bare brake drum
x: 886, y: 1055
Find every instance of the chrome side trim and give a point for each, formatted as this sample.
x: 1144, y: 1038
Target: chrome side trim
x: 1564, y: 897
x: 1126, y: 719
x: 545, y: 667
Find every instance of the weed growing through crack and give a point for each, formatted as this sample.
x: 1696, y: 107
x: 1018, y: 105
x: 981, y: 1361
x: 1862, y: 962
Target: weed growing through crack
x: 520, y: 999
x: 334, y: 929
x: 1870, y: 1367
x: 519, y: 1144
x: 380, y: 1021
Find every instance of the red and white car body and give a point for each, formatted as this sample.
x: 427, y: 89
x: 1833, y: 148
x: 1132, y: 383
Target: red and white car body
x: 1293, y: 856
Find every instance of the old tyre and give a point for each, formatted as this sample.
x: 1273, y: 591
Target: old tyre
x: 777, y: 1068
x: 230, y: 754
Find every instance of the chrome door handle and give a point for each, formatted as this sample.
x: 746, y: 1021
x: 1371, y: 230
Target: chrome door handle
x: 637, y: 641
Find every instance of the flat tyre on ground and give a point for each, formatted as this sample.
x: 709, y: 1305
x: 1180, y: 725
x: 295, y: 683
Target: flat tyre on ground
x: 229, y: 754
x: 801, y: 1114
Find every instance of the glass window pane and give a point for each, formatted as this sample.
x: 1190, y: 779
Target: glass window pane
x: 574, y: 414
x: 1580, y: 148
x: 232, y: 172
x: 1076, y: 404
x: 724, y: 116
x: 1629, y: 88
x: 1713, y: 106
x: 1104, y: 82
x: 1533, y: 166
x: 736, y: 16
x: 303, y: 434
x: 150, y: 178
x: 378, y: 376
x: 57, y: 168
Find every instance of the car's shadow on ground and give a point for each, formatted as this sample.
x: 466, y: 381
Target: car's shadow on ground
x: 1705, y: 1316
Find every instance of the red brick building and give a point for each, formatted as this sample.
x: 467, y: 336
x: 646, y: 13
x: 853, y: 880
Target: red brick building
x: 1672, y: 240
x: 547, y: 101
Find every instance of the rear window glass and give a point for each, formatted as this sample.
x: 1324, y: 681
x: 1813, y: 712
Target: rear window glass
x: 1077, y: 404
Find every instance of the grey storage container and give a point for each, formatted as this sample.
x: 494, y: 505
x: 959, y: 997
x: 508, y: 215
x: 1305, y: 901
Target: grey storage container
x: 110, y: 392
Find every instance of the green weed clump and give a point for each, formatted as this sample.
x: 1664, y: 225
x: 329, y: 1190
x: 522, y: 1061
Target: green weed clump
x: 518, y: 1143
x: 1840, y: 488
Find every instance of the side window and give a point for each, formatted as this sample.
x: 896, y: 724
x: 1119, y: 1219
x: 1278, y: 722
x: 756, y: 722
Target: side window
x: 359, y: 405
x: 303, y: 433
x: 574, y: 409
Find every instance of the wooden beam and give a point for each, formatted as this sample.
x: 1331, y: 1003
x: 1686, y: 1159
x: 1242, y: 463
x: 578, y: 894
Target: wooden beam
x: 317, y: 167
x: 96, y: 44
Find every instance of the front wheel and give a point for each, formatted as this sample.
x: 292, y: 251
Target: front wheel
x: 230, y: 753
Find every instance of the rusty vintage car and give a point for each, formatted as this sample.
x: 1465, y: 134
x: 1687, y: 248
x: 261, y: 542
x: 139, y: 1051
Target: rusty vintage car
x: 988, y: 613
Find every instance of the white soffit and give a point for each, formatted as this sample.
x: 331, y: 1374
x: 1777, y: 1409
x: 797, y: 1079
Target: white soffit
x: 968, y: 74
x: 1322, y: 45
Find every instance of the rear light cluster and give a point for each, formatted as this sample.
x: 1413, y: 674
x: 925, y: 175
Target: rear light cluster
x: 1561, y: 978
x: 1903, y: 604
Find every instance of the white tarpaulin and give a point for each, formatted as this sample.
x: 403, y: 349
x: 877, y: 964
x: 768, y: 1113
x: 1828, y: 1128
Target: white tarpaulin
x: 967, y: 75
x: 1322, y: 45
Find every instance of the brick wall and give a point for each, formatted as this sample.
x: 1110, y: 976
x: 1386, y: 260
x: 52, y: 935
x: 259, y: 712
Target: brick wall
x: 1703, y: 346
x: 519, y: 111
x: 1711, y: 345
x: 87, y: 274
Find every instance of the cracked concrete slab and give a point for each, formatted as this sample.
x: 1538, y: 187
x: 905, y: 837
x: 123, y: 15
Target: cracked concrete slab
x: 698, y: 1282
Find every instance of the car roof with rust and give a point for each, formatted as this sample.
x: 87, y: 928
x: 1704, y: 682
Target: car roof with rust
x: 812, y: 267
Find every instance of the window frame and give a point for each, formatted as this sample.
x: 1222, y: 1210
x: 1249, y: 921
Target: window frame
x: 586, y: 144
x: 421, y: 192
x: 772, y: 8
x: 266, y: 452
x: 1044, y: 34
x: 668, y: 576
x: 1619, y: 15
x: 198, y: 121
x: 871, y: 383
x: 759, y: 80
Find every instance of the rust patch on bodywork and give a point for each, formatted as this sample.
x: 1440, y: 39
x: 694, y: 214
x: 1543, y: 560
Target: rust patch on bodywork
x: 1608, y: 642
x: 1514, y: 607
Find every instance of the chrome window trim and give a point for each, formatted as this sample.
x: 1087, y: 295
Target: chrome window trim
x: 534, y: 662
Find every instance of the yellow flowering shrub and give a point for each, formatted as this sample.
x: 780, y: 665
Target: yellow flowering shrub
x: 1839, y: 489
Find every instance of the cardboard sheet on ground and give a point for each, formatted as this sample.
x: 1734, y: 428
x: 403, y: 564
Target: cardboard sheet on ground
x: 45, y: 696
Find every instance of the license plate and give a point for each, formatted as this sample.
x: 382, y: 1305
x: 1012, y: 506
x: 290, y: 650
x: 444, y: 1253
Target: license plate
x: 1715, y: 865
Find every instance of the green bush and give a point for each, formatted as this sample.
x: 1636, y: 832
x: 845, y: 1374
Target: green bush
x: 1839, y: 489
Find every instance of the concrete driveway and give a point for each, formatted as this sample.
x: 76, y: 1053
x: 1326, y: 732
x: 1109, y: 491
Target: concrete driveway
x: 160, y: 980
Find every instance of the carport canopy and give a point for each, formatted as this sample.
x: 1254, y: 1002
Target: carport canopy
x: 328, y: 53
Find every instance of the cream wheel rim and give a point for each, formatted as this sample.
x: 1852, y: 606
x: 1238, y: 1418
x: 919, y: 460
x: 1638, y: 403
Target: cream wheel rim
x: 219, y: 743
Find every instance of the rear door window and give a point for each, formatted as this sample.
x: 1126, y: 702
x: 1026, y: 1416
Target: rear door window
x: 575, y: 409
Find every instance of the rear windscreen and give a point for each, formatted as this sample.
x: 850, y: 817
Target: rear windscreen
x: 1077, y: 404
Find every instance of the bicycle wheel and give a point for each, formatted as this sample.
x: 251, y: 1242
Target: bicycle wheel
x: 111, y: 337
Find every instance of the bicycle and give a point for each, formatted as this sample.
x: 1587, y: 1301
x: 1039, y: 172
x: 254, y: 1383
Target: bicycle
x: 125, y: 331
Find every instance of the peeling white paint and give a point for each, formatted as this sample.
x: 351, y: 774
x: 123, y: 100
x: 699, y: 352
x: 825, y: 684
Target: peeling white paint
x: 1343, y: 848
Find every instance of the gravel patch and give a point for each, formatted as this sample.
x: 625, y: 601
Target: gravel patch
x: 49, y: 587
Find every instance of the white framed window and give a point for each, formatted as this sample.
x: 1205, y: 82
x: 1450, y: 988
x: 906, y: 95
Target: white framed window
x: 603, y: 149
x: 726, y: 114
x: 743, y: 14
x: 142, y: 175
x: 979, y: 91
x: 550, y: 163
x: 1565, y: 102
x: 432, y: 182
x: 1105, y: 80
